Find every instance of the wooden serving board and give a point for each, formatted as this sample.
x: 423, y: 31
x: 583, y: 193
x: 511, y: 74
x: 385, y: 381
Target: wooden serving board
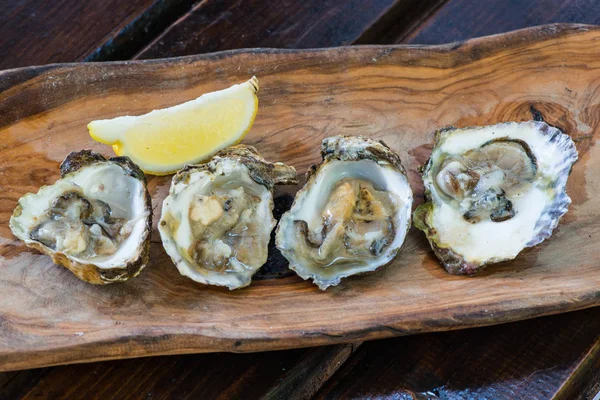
x: 400, y: 94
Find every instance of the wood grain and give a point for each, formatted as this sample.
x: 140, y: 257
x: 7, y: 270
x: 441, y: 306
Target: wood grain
x: 398, y: 94
x: 293, y: 374
x: 39, y: 32
x: 215, y: 25
x: 143, y: 29
x: 465, y: 19
x: 511, y: 361
x: 399, y: 24
x: 299, y: 384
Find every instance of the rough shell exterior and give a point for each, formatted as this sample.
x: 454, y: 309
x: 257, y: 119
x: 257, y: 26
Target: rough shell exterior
x: 354, y: 148
x: 262, y: 172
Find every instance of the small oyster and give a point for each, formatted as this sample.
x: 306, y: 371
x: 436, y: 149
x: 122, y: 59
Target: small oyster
x: 352, y: 215
x: 217, y: 220
x: 95, y: 220
x: 492, y: 191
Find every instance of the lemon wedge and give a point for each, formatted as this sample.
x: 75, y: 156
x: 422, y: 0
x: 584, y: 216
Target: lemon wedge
x: 163, y: 141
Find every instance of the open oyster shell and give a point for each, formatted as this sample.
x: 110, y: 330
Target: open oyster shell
x: 492, y: 191
x: 96, y: 220
x: 351, y: 216
x: 217, y: 220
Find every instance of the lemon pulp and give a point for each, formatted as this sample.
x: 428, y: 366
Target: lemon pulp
x: 163, y: 141
x: 207, y: 129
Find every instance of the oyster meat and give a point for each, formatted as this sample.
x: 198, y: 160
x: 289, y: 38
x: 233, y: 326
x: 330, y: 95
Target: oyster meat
x: 217, y: 220
x: 351, y: 216
x: 95, y: 220
x: 492, y: 191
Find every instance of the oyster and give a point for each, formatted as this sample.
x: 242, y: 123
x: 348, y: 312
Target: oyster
x: 352, y: 215
x: 492, y: 191
x: 95, y: 220
x: 217, y: 220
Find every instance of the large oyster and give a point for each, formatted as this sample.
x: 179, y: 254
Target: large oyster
x: 217, y: 220
x: 492, y: 191
x: 351, y: 216
x: 95, y: 220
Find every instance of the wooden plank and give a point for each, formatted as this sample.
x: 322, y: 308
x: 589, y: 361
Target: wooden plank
x: 465, y: 19
x: 397, y: 27
x: 328, y: 357
x: 460, y: 20
x: 584, y: 382
x: 16, y: 384
x: 402, y: 21
x: 305, y: 380
x: 526, y: 360
x: 34, y: 32
x: 38, y: 32
x: 216, y: 377
x: 397, y: 94
x: 295, y: 374
x: 142, y: 30
x: 215, y: 25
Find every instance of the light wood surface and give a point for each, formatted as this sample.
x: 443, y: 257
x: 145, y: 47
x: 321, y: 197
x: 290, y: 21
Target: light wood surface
x: 398, y: 94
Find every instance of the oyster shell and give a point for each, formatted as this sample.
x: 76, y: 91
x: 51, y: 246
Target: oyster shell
x: 96, y: 220
x: 217, y: 220
x: 492, y: 191
x: 352, y: 214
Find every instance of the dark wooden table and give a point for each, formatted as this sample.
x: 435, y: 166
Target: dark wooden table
x: 552, y: 357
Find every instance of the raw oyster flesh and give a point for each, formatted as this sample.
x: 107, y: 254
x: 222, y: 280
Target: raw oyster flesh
x: 352, y: 214
x: 217, y: 220
x: 492, y: 191
x: 95, y: 220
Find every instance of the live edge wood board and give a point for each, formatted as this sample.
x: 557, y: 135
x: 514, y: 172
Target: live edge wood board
x: 400, y: 94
